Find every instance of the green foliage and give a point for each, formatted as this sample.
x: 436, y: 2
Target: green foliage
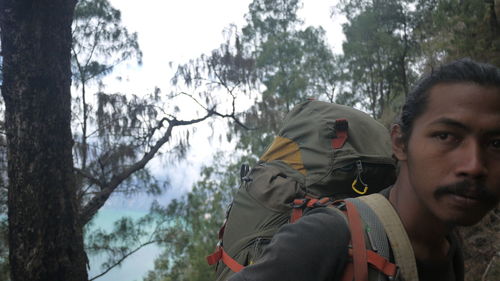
x: 452, y: 29
x: 110, y: 130
x: 200, y: 214
x: 124, y: 129
x: 100, y: 42
x: 379, y: 53
x: 293, y: 63
x: 116, y: 134
x: 129, y: 236
x: 274, y: 55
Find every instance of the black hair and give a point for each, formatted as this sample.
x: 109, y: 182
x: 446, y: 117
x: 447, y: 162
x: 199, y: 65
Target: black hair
x: 460, y: 71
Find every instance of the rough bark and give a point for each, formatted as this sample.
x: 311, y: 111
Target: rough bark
x: 45, y: 240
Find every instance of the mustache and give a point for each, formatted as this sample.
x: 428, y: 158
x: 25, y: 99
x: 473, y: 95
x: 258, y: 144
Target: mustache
x: 467, y: 188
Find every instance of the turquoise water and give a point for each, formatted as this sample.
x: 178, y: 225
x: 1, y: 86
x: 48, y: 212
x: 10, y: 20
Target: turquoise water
x: 135, y: 266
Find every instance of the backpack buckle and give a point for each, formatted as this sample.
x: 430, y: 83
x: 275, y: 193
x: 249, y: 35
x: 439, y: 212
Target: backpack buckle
x: 323, y: 202
x: 299, y: 203
x: 244, y: 169
x: 339, y: 204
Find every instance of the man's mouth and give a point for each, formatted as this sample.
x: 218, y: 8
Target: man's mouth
x: 467, y: 190
x: 469, y: 195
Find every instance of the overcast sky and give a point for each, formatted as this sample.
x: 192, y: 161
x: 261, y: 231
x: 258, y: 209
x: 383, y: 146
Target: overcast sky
x: 176, y: 31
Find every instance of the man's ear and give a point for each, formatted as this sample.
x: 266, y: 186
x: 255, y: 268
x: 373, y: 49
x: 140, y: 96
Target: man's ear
x: 398, y: 143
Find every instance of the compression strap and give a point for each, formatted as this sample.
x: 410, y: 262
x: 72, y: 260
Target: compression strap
x: 220, y: 254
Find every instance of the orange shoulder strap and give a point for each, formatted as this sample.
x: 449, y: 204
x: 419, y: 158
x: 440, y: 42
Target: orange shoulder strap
x: 358, y: 243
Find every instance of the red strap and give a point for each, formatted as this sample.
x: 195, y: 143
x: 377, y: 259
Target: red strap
x: 215, y: 256
x: 311, y: 202
x: 377, y: 261
x: 296, y: 214
x: 299, y: 204
x: 341, y: 127
x: 358, y: 243
x: 381, y: 263
x: 315, y: 202
x: 220, y: 254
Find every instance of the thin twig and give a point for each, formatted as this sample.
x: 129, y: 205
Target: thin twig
x: 123, y: 258
x: 485, y: 274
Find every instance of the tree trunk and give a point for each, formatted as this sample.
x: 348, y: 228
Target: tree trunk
x: 45, y: 238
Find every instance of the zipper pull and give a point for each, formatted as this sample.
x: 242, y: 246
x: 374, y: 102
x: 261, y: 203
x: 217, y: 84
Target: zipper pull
x: 359, y: 170
x: 359, y: 165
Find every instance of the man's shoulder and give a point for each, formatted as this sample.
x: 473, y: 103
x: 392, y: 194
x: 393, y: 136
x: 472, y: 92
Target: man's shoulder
x: 315, y: 247
x: 386, y: 191
x: 324, y: 219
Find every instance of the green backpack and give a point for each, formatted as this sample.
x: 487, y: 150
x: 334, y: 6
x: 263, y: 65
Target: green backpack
x: 324, y: 152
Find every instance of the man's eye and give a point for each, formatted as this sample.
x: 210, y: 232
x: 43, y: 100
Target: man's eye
x: 443, y: 136
x: 447, y: 138
x: 495, y: 144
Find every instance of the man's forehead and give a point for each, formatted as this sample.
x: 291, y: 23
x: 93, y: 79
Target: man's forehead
x: 463, y: 105
x: 465, y: 94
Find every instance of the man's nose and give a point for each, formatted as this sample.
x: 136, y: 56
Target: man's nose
x: 472, y: 160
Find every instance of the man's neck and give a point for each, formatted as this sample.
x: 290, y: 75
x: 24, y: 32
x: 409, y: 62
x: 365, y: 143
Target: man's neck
x: 428, y: 235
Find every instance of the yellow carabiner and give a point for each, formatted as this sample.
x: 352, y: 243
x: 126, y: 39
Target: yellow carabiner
x: 356, y: 190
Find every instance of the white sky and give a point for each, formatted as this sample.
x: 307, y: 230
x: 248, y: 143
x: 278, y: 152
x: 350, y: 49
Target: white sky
x: 176, y: 31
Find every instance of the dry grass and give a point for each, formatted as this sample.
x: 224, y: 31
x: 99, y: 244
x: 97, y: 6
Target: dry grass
x: 482, y: 249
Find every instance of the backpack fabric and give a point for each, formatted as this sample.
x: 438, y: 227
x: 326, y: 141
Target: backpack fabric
x: 323, y: 152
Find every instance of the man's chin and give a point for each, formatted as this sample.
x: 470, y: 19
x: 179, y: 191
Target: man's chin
x: 463, y: 211
x: 465, y: 220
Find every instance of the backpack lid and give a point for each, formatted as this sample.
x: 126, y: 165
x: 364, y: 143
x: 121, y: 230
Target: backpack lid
x: 319, y: 140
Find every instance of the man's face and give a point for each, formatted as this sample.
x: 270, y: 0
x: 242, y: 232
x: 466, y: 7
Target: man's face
x: 453, y: 154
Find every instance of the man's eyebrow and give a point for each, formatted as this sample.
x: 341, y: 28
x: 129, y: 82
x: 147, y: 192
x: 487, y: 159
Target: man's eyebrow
x: 453, y: 123
x: 450, y: 122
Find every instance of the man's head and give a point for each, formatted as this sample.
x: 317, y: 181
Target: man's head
x: 460, y: 71
x: 448, y: 142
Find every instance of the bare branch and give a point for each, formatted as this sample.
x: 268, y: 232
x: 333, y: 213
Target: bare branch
x: 194, y: 99
x: 232, y: 115
x: 91, y: 208
x: 123, y: 258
